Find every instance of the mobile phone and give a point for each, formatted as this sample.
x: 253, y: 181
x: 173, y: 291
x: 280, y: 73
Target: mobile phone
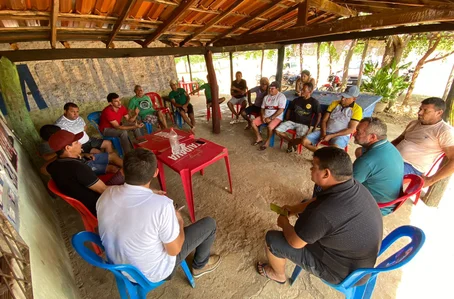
x: 279, y: 210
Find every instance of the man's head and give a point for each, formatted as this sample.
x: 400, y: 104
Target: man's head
x: 114, y: 100
x: 48, y: 130
x: 173, y: 84
x: 264, y: 83
x: 274, y: 88
x: 140, y: 167
x: 306, y: 92
x: 431, y: 111
x: 238, y: 76
x: 331, y: 166
x: 71, y: 111
x: 369, y: 131
x: 305, y: 75
x: 66, y: 144
x: 138, y: 90
x: 349, y: 95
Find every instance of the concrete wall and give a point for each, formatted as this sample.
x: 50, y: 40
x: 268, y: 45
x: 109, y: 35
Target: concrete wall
x: 52, y: 275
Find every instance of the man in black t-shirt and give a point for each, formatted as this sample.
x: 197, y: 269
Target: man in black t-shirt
x: 336, y: 233
x: 238, y: 91
x: 299, y: 116
x: 71, y: 174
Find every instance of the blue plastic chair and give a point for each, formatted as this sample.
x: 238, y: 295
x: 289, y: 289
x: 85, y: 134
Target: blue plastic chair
x: 266, y: 125
x: 93, y: 118
x: 135, y: 290
x: 179, y: 119
x: 400, y: 258
x: 149, y: 128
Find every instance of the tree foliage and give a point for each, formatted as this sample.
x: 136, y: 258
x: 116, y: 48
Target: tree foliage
x: 420, y: 43
x: 330, y: 49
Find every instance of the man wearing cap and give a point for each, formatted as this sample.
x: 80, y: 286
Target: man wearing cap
x: 271, y: 113
x: 238, y: 92
x: 340, y: 120
x: 75, y: 176
x: 180, y: 99
x: 260, y: 92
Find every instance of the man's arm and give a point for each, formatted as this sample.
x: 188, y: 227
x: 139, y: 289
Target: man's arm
x: 445, y: 171
x: 249, y: 100
x: 317, y: 122
x: 173, y: 248
x: 350, y: 129
x: 117, y: 126
x: 98, y: 187
x: 289, y: 233
x: 324, y: 123
x: 277, y: 113
x: 188, y: 98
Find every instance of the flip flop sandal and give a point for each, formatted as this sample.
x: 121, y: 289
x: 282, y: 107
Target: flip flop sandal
x: 264, y: 272
x: 257, y: 142
x: 262, y: 148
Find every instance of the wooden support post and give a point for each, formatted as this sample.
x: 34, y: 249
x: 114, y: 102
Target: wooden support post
x: 190, y: 70
x: 53, y: 23
x: 18, y: 117
x: 231, y: 66
x: 214, y: 92
x: 280, y: 64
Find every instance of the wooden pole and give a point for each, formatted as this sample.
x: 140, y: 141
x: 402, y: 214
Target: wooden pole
x: 361, y: 66
x: 231, y: 66
x: 261, y: 64
x: 280, y: 64
x: 214, y: 92
x: 18, y: 117
x: 318, y: 64
x: 190, y: 71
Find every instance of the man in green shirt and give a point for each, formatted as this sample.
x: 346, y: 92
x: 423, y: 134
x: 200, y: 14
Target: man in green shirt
x: 180, y: 99
x: 207, y: 88
x: 141, y: 105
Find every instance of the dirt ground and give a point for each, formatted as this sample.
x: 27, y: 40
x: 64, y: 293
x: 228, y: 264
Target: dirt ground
x: 259, y: 178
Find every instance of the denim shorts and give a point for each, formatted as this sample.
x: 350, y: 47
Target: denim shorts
x: 99, y: 164
x: 339, y: 141
x: 409, y: 169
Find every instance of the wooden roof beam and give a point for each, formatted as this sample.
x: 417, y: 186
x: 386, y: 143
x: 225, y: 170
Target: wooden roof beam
x: 124, y: 14
x: 174, y: 16
x: 53, y: 23
x: 328, y: 6
x: 303, y: 13
x: 377, y: 21
x: 266, y: 9
x: 212, y: 22
x: 277, y: 18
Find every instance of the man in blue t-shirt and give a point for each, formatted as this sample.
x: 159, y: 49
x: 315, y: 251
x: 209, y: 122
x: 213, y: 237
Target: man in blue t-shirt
x: 379, y: 165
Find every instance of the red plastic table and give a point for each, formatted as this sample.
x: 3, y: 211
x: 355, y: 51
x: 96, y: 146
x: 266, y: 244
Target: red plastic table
x: 188, y: 86
x: 159, y: 141
x: 199, y: 154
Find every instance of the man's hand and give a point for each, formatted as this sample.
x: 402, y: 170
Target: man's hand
x: 291, y: 210
x: 89, y: 156
x: 136, y: 111
x: 428, y: 181
x: 282, y: 221
x: 159, y: 192
x: 139, y: 125
x: 267, y: 120
x: 327, y: 138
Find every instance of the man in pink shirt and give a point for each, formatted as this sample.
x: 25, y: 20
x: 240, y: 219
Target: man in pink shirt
x: 425, y: 139
x: 110, y: 123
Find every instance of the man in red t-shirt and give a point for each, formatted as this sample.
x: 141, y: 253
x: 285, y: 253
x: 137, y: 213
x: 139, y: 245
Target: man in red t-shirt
x: 110, y: 123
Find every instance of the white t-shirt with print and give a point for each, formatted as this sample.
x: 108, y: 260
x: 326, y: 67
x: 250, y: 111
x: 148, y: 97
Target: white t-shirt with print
x: 134, y: 224
x: 272, y: 103
x: 74, y: 126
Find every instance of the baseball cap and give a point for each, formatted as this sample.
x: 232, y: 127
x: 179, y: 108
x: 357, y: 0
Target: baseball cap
x: 351, y: 92
x: 173, y: 82
x: 275, y: 84
x: 62, y: 138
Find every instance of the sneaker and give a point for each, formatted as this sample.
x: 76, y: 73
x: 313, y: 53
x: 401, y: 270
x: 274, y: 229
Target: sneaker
x: 235, y: 121
x: 213, y: 262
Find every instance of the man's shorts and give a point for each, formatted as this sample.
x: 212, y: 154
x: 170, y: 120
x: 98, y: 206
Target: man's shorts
x: 279, y: 247
x: 92, y: 143
x: 190, y: 109
x: 253, y: 109
x: 340, y: 141
x: 273, y: 124
x: 235, y: 101
x: 409, y: 169
x: 99, y: 164
x: 290, y: 125
x: 151, y: 118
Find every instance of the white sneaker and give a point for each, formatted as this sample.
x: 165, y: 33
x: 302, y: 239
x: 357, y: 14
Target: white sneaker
x: 235, y: 121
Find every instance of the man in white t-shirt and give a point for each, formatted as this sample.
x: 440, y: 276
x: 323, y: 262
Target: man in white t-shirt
x: 72, y: 122
x: 425, y: 139
x: 273, y: 106
x: 141, y: 227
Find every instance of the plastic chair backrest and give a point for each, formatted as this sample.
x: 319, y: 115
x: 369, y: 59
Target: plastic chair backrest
x: 86, y: 215
x: 415, y: 184
x: 154, y: 98
x: 93, y: 118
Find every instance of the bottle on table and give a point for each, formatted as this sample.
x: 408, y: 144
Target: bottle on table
x: 174, y: 143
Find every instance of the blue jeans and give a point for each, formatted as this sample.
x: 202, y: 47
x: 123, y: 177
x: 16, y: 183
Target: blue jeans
x: 99, y: 164
x: 339, y: 141
x: 409, y: 169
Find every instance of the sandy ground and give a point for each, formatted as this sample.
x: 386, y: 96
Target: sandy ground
x: 243, y: 218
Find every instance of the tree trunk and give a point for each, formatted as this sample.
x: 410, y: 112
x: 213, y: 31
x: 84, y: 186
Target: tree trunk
x: 449, y: 114
x: 190, y: 71
x: 449, y: 83
x: 214, y: 92
x: 18, y: 117
x: 318, y: 63
x: 231, y: 66
x: 361, y: 66
x: 261, y: 64
x: 301, y: 58
x: 347, y: 63
x: 387, y: 57
x: 330, y: 59
x: 394, y: 50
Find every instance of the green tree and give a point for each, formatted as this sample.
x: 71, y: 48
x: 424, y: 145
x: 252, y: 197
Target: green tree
x: 328, y: 47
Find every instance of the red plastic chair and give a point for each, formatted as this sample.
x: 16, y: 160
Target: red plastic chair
x: 237, y: 108
x: 161, y: 107
x: 90, y: 221
x: 414, y: 187
x: 293, y: 133
x: 209, y: 113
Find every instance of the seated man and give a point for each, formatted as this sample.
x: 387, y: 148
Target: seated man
x: 150, y: 233
x: 207, y: 88
x: 336, y: 233
x: 238, y: 91
x: 425, y: 139
x: 304, y: 78
x: 141, y: 105
x: 180, y: 100
x: 300, y: 114
x: 340, y: 120
x: 110, y: 122
x: 271, y: 113
x: 72, y: 122
x: 73, y: 176
x: 379, y: 165
x: 260, y: 92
